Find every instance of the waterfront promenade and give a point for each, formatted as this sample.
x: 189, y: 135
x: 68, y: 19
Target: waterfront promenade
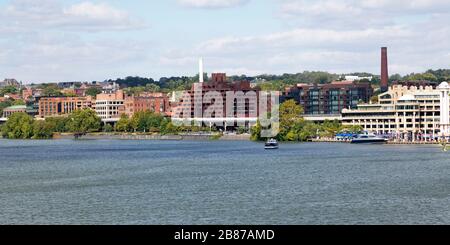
x: 211, y: 136
x: 391, y: 142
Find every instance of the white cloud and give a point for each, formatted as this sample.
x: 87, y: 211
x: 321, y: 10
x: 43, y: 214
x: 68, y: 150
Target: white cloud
x: 47, y: 40
x: 336, y: 36
x: 342, y: 8
x: 47, y: 57
x: 410, y: 50
x: 304, y: 39
x: 24, y: 15
x: 43, y: 40
x: 348, y: 14
x: 212, y: 4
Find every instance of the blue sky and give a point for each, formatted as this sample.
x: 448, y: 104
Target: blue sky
x: 77, y: 40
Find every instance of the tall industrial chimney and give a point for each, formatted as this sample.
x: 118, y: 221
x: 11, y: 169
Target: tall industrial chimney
x: 200, y: 65
x: 384, y: 70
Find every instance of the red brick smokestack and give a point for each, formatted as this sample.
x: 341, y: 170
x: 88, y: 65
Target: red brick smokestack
x: 384, y: 70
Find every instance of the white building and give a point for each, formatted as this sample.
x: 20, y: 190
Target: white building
x: 410, y: 113
x: 444, y: 90
x: 110, y: 106
x: 357, y: 78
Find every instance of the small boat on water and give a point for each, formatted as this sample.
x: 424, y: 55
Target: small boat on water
x: 368, y: 139
x: 271, y: 144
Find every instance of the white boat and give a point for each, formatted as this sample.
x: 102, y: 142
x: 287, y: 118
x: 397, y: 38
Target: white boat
x: 445, y: 146
x: 368, y: 139
x: 271, y: 144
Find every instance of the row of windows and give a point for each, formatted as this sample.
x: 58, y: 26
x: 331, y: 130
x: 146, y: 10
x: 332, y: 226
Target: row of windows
x: 109, y: 103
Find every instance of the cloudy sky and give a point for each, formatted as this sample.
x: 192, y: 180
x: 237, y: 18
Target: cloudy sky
x: 73, y: 40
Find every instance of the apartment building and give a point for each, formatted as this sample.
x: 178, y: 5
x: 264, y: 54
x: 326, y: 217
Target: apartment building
x: 207, y: 102
x: 58, y: 106
x: 326, y: 99
x: 110, y: 105
x: 404, y: 112
x: 155, y: 102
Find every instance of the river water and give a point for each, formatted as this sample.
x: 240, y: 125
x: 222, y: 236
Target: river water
x: 221, y: 182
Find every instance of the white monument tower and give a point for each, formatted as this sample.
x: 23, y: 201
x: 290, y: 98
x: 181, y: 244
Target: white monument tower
x: 200, y: 65
x: 444, y: 89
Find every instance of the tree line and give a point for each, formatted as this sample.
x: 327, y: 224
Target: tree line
x: 150, y: 122
x: 22, y: 126
x: 81, y: 122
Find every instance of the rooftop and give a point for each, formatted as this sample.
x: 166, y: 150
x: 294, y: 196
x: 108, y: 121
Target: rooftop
x: 17, y: 107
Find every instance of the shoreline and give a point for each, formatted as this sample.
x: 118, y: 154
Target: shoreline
x: 198, y: 137
x: 133, y: 136
x: 388, y: 143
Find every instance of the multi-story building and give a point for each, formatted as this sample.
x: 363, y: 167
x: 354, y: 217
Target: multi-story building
x: 155, y: 102
x: 404, y: 112
x: 27, y: 94
x: 110, y: 106
x: 207, y: 102
x: 7, y: 112
x: 58, y: 106
x: 321, y: 99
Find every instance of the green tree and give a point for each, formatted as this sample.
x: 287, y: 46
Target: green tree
x: 146, y: 121
x: 58, y: 124
x: 152, y: 88
x: 352, y: 129
x: 18, y: 126
x: 84, y: 121
x: 256, y: 132
x: 8, y: 90
x: 70, y: 94
x: 290, y: 115
x: 308, y: 131
x: 93, y: 91
x: 292, y: 135
x: 124, y: 124
x: 422, y: 76
x: 49, y: 90
x: 395, y: 77
x: 138, y: 122
x: 169, y: 128
x: 108, y: 128
x: 42, y: 130
x: 374, y: 99
x: 329, y: 128
x: 5, y: 104
x: 19, y: 102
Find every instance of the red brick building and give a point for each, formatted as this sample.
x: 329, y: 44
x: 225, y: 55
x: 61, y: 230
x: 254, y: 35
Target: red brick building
x: 204, y: 96
x: 58, y: 106
x: 154, y: 102
x: 27, y: 94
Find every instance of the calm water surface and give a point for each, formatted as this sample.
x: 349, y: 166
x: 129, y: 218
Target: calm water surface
x: 182, y: 182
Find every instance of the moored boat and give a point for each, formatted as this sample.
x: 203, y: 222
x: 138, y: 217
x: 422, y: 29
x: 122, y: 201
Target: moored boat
x: 368, y: 139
